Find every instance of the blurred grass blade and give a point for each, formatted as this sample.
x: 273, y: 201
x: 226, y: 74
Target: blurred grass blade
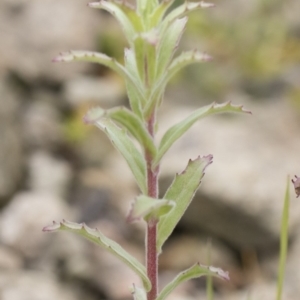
x: 283, y: 240
x: 100, y: 239
x: 194, y: 272
x: 209, y: 280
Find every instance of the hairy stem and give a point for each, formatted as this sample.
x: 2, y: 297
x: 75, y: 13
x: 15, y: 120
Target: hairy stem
x: 151, y: 235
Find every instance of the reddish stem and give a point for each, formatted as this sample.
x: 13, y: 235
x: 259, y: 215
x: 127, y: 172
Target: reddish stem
x: 151, y: 235
x: 152, y: 260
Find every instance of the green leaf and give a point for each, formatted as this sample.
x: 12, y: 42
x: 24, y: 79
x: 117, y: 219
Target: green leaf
x: 94, y: 115
x: 145, y: 9
x: 90, y: 56
x: 126, y: 147
x: 284, y: 237
x: 176, y: 131
x: 128, y: 120
x: 138, y: 57
x: 159, y: 12
x: 125, y: 14
x: 195, y: 271
x: 100, y: 58
x: 151, y: 39
x: 138, y: 293
x: 183, y: 10
x: 134, y: 125
x: 146, y: 207
x: 184, y: 59
x: 100, y: 239
x: 136, y: 98
x: 168, y: 43
x: 181, y: 191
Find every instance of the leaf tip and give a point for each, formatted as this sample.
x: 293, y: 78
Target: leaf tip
x: 296, y: 183
x: 52, y: 227
x: 93, y: 4
x: 219, y: 272
x: 204, y: 4
x: 130, y: 216
x: 93, y: 115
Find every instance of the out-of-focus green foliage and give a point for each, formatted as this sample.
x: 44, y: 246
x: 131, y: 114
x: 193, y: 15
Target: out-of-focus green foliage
x: 255, y: 47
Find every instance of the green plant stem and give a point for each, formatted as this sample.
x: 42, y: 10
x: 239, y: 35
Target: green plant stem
x: 151, y: 235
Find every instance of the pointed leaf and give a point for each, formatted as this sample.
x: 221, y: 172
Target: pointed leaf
x: 183, y: 10
x: 151, y: 39
x: 146, y: 207
x: 100, y: 58
x: 125, y: 14
x: 159, y: 12
x: 181, y: 191
x: 184, y: 59
x: 138, y: 293
x: 100, y: 239
x: 128, y: 120
x: 195, y: 271
x: 126, y: 147
x: 135, y: 99
x: 134, y: 125
x: 145, y: 9
x: 138, y: 57
x: 94, y: 115
x: 90, y: 56
x: 176, y: 131
x: 168, y: 43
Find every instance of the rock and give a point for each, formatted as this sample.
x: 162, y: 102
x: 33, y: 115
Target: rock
x: 32, y: 285
x: 94, y: 149
x: 9, y: 259
x: 49, y: 175
x: 181, y: 252
x: 22, y: 220
x: 42, y: 126
x: 31, y: 36
x: 108, y: 91
x: 241, y: 197
x: 116, y: 279
x: 11, y: 152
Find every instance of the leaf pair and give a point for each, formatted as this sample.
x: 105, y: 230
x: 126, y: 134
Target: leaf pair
x: 130, y: 123
x: 114, y: 248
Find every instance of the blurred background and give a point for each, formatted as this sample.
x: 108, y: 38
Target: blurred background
x: 52, y: 166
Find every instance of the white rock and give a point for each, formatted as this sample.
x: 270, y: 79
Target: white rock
x: 33, y: 32
x: 48, y: 174
x: 32, y: 285
x: 106, y: 91
x: 22, y: 221
x: 41, y: 125
x: 241, y: 196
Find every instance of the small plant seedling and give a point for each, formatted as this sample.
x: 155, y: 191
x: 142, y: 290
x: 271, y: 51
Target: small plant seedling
x: 153, y: 31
